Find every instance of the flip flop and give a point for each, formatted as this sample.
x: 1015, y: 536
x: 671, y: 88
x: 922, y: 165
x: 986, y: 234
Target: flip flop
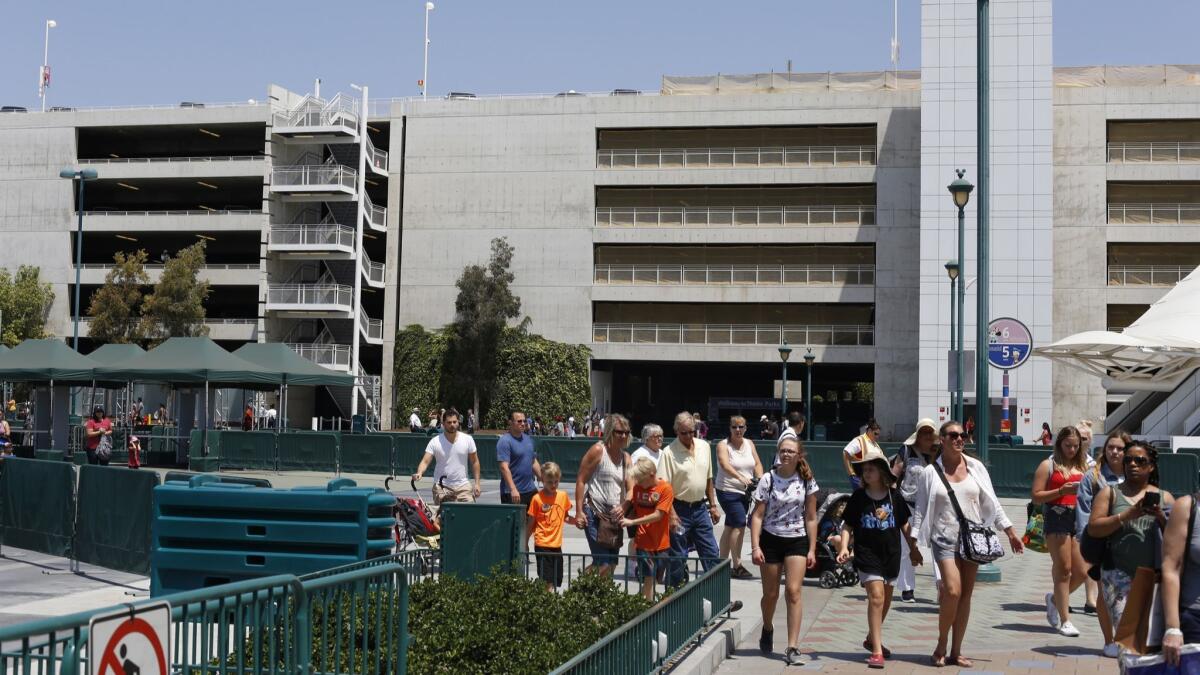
x: 961, y: 661
x: 938, y: 660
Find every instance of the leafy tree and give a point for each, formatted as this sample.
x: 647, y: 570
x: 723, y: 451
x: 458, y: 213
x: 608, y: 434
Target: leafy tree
x: 483, y: 308
x: 176, y: 307
x: 25, y: 301
x: 114, y: 307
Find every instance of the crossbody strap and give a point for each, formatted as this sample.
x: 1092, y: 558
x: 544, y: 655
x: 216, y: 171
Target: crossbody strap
x: 950, y: 491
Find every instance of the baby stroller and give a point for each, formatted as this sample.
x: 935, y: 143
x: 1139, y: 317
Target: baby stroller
x: 828, y: 572
x: 415, y: 524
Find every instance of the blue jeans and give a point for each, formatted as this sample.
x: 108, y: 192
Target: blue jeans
x: 601, y: 555
x: 697, y: 532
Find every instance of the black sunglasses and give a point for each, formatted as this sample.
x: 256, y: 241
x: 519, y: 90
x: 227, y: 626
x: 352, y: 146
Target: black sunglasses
x: 954, y: 435
x: 738, y: 426
x: 620, y: 432
x: 1136, y: 460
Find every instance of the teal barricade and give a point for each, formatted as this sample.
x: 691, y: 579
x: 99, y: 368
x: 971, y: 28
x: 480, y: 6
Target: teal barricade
x: 479, y: 537
x: 567, y: 453
x: 37, y: 505
x: 361, y: 453
x: 308, y: 450
x: 113, y: 526
x: 485, y: 446
x: 407, y: 451
x: 247, y: 449
x: 1179, y: 473
x: 1012, y: 470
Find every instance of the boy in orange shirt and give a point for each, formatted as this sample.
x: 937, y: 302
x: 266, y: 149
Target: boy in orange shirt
x: 652, y: 499
x: 544, y: 522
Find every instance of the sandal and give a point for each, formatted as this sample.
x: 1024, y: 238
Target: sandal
x: 938, y: 660
x: 887, y: 653
x: 960, y: 661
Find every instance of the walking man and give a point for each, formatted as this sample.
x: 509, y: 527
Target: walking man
x: 687, y: 466
x: 452, y: 451
x: 518, y: 463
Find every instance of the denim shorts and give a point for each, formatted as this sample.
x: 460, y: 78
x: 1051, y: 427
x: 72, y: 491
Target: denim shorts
x: 1058, y: 519
x: 734, y: 506
x: 601, y: 555
x: 652, y: 563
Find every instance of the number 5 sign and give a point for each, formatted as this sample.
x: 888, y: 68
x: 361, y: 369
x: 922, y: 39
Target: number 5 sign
x: 1009, y: 343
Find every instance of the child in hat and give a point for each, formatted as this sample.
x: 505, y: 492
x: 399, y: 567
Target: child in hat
x: 876, y: 517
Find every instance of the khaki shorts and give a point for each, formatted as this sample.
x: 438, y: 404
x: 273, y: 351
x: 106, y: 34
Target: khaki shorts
x: 461, y: 493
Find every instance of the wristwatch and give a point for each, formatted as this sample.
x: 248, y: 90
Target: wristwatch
x: 1172, y: 632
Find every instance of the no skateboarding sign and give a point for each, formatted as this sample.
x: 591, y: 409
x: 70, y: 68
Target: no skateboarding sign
x: 135, y: 641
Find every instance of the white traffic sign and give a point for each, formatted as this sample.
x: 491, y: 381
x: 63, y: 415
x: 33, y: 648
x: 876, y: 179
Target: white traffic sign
x: 1009, y: 343
x: 135, y: 641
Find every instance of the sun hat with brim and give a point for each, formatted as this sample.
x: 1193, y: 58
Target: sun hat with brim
x: 921, y: 424
x: 874, y: 455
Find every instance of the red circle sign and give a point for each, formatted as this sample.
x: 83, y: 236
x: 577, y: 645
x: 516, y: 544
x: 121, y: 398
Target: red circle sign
x: 131, y: 626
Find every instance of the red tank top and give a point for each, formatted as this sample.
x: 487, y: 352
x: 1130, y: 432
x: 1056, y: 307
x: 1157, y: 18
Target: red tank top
x: 1057, y: 480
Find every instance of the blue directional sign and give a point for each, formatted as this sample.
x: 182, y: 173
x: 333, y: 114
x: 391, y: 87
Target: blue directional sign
x: 1009, y: 343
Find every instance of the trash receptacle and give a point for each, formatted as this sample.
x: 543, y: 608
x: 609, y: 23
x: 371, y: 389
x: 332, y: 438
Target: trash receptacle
x: 358, y: 424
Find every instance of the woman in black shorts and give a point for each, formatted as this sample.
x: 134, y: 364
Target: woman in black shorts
x: 783, y: 535
x: 1054, y: 486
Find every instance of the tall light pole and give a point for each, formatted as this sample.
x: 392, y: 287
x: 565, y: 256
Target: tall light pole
x: 784, y: 352
x: 83, y: 176
x: 809, y: 357
x: 44, y: 73
x: 425, y: 73
x: 952, y: 270
x: 960, y: 191
x: 983, y: 311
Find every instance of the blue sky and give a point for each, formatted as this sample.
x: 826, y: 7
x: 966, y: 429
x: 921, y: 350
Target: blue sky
x: 127, y: 52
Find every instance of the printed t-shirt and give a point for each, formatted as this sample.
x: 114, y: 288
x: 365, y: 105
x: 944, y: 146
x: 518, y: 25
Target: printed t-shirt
x: 654, y: 536
x: 876, y: 524
x: 548, y: 518
x: 785, y: 498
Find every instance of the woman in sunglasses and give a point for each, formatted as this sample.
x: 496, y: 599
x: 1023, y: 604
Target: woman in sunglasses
x: 603, y: 490
x: 1129, y: 516
x: 738, y: 468
x: 936, y: 521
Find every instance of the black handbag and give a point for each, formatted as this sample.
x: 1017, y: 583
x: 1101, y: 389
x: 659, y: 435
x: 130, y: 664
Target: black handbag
x: 977, y: 543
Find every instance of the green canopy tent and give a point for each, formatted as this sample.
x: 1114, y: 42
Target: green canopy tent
x: 191, y: 360
x: 52, y: 361
x: 295, y: 369
x: 109, y: 354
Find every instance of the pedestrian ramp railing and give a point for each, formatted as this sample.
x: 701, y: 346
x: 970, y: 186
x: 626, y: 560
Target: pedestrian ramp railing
x: 351, y: 620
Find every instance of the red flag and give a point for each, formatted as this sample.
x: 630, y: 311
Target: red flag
x: 45, y: 76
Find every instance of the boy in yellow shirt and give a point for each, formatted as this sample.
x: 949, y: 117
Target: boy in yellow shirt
x: 544, y: 522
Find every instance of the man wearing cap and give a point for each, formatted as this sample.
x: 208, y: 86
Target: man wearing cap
x: 414, y: 422
x: 919, y: 450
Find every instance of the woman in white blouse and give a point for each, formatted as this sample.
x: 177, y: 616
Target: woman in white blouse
x: 937, y: 527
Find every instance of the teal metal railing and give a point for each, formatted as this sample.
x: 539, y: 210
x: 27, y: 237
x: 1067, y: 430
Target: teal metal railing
x: 661, y: 633
x: 353, y: 620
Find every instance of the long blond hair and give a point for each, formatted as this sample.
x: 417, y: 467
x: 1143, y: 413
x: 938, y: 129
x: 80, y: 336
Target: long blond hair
x: 1079, y: 461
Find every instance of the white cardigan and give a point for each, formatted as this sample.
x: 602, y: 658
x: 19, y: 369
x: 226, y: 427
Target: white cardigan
x: 930, y: 490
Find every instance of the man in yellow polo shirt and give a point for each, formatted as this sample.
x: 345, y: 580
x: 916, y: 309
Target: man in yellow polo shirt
x: 687, y: 466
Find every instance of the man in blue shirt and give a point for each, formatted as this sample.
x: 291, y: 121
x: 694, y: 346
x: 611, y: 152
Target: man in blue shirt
x: 518, y: 463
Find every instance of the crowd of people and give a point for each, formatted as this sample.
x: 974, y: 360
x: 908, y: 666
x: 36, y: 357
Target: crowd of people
x: 928, y: 503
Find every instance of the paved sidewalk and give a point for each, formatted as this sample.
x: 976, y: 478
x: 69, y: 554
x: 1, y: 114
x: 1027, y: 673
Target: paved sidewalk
x: 1007, y: 633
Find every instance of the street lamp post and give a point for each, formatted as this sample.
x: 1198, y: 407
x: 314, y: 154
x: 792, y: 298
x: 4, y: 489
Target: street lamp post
x: 425, y: 72
x: 784, y: 352
x: 44, y: 73
x: 809, y: 357
x: 83, y: 176
x: 960, y: 191
x: 952, y: 270
x: 983, y: 154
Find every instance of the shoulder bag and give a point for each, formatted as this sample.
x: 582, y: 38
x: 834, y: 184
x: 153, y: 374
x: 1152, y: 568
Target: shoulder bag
x: 104, y: 448
x: 977, y: 543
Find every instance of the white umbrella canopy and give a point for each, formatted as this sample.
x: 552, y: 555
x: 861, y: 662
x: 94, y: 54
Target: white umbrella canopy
x: 1157, y: 351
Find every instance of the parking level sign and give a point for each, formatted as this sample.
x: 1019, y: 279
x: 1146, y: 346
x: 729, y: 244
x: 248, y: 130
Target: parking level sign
x: 135, y: 641
x: 1009, y: 343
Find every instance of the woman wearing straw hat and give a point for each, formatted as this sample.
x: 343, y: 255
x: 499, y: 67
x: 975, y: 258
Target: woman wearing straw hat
x: 876, y: 516
x: 918, y: 451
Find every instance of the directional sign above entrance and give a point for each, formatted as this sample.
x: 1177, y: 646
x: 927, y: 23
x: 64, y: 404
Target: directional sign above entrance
x: 1009, y: 343
x: 131, y: 642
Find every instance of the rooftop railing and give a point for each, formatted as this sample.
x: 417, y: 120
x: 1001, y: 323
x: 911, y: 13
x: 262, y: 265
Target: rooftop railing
x: 734, y: 275
x: 1158, y: 212
x: 314, y: 175
x: 732, y: 334
x: 175, y: 212
x: 337, y: 112
x: 734, y: 216
x: 712, y: 158
x: 316, y: 236
x: 1142, y: 152
x: 1147, y: 275
x: 310, y: 294
x: 172, y: 160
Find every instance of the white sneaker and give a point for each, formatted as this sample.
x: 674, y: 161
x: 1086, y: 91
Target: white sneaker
x: 1068, y: 630
x: 1052, y: 617
x: 1112, y: 650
